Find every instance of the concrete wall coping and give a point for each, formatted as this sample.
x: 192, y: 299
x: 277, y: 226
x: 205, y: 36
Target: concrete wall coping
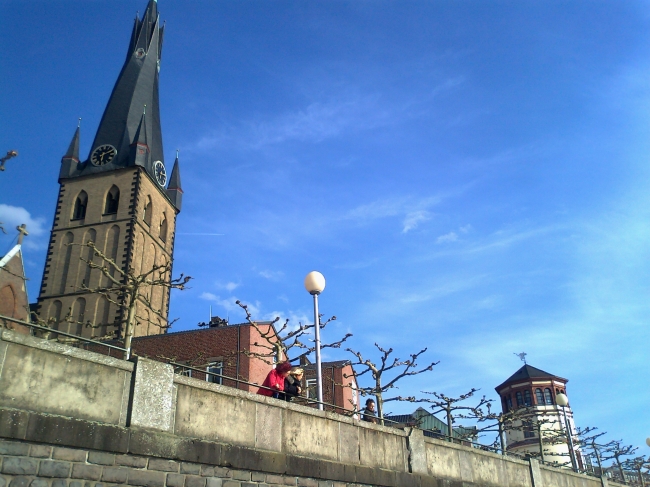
x: 478, y: 451
x: 55, y: 347
x: 252, y: 396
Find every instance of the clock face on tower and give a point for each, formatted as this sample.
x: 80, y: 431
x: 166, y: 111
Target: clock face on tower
x: 103, y: 155
x: 160, y: 173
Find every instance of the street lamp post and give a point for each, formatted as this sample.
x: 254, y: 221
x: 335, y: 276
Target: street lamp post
x: 563, y: 401
x: 314, y: 284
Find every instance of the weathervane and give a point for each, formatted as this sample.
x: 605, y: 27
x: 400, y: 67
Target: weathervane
x: 522, y: 356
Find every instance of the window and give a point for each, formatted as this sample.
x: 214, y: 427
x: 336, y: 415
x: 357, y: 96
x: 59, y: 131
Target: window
x: 163, y: 229
x: 80, y: 204
x: 180, y: 370
x: 547, y: 396
x: 311, y: 386
x: 146, y: 215
x: 215, y: 368
x: 528, y: 398
x: 539, y: 397
x: 520, y: 399
x: 529, y: 432
x: 509, y: 402
x: 112, y: 201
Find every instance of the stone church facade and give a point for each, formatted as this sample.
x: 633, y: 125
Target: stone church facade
x: 121, y: 199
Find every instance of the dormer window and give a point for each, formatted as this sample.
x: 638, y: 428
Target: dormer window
x: 80, y: 204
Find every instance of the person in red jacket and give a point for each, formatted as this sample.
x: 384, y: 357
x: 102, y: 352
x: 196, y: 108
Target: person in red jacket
x: 275, y: 380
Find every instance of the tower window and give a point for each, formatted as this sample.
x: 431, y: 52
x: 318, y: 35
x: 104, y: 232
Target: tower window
x: 146, y: 215
x: 548, y: 396
x: 539, y: 397
x: 509, y: 402
x: 80, y: 204
x: 163, y: 229
x: 520, y: 399
x: 528, y: 398
x: 112, y: 201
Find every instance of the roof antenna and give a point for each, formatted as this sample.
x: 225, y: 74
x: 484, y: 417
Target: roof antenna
x: 522, y: 356
x: 79, y: 123
x: 210, y: 314
x: 177, y: 151
x: 144, y: 110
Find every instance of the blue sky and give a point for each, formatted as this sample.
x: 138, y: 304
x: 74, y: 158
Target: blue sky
x: 469, y: 176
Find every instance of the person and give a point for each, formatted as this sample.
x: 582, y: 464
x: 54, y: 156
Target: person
x: 369, y: 413
x: 273, y: 385
x: 292, y: 385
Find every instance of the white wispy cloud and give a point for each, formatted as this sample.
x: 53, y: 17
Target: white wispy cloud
x: 13, y: 216
x: 229, y: 304
x: 271, y: 275
x: 228, y: 286
x: 448, y: 237
x: 414, y: 218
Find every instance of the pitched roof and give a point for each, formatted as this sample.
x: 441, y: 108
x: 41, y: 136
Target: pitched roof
x: 528, y: 372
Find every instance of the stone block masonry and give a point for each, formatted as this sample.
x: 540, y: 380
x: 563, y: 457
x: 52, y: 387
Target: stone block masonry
x: 34, y: 465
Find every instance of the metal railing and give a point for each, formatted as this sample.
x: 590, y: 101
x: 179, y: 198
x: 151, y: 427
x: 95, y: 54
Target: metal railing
x: 345, y: 411
x: 76, y: 338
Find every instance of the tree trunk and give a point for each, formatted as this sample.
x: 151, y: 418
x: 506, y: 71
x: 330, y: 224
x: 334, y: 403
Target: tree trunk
x: 502, y: 438
x: 450, y: 429
x: 620, y: 469
x: 130, y: 323
x: 600, y: 464
x: 380, y: 408
x: 541, y: 442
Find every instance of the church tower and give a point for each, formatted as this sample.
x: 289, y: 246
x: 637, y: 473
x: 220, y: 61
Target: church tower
x: 530, y: 396
x: 119, y: 198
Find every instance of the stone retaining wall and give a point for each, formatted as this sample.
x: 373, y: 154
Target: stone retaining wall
x: 37, y: 465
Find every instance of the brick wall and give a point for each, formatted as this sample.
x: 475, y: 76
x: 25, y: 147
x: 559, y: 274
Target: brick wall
x: 38, y: 465
x: 199, y: 347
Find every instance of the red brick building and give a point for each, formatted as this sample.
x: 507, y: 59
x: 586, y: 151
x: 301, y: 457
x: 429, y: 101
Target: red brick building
x: 220, y: 348
x: 234, y: 351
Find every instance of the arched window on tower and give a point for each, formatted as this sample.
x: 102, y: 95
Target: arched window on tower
x: 146, y: 215
x: 80, y: 204
x: 548, y: 396
x: 539, y: 397
x: 112, y: 201
x: 163, y: 228
x: 520, y: 399
x: 509, y: 402
x: 528, y: 398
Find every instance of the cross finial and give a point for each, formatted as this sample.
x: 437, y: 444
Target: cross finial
x: 22, y: 229
x: 522, y: 356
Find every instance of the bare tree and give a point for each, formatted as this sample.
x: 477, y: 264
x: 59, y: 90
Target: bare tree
x: 636, y: 465
x: 450, y: 406
x: 400, y: 369
x: 126, y: 288
x: 285, y: 343
x: 615, y: 450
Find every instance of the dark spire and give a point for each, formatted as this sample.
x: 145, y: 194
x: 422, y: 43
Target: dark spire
x: 174, y: 189
x: 70, y: 160
x: 122, y: 124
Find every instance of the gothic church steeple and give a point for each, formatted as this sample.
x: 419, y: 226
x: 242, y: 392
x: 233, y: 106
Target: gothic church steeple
x: 123, y: 119
x: 117, y: 198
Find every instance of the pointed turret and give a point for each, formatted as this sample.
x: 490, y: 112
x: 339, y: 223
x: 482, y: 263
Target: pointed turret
x: 122, y: 124
x: 174, y: 189
x: 70, y: 160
